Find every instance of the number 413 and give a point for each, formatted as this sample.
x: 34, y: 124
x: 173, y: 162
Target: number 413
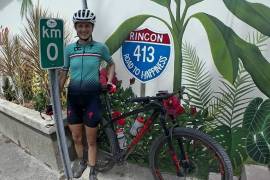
x: 146, y: 53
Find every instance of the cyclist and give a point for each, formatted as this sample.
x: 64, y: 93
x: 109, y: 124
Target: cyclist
x: 83, y: 59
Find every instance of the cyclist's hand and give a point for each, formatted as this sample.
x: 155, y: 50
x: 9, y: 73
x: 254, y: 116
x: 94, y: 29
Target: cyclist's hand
x: 49, y: 110
x: 111, y: 88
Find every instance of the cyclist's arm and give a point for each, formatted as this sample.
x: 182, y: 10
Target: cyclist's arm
x: 111, y: 65
x: 111, y: 71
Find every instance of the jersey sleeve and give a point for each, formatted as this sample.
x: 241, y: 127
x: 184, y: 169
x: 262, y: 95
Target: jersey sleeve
x: 66, y: 59
x: 106, y: 55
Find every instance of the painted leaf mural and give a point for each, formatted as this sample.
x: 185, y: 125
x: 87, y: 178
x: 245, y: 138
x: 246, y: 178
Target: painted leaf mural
x: 257, y: 148
x: 255, y: 14
x: 224, y: 54
x: 255, y: 63
x: 266, y: 129
x: 192, y: 2
x: 234, y: 100
x: 115, y: 41
x: 229, y: 52
x: 228, y: 110
x: 197, y: 77
x: 257, y: 121
x: 165, y: 3
x: 226, y: 46
x: 233, y: 140
x: 255, y: 115
x: 249, y: 54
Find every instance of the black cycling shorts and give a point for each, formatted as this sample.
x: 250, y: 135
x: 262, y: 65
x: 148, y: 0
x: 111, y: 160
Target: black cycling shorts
x: 84, y: 109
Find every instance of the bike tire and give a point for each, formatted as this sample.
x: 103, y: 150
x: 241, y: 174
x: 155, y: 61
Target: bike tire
x: 111, y: 140
x: 196, y: 135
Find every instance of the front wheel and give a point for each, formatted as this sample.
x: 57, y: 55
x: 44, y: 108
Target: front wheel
x: 107, y: 148
x: 191, y: 154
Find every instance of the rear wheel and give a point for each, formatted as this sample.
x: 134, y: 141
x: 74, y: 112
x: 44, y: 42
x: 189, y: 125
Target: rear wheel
x: 193, y: 155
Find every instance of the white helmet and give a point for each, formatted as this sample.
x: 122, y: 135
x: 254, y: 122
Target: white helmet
x: 84, y: 15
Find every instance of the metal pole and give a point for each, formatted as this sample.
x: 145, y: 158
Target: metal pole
x: 84, y: 2
x: 142, y: 90
x: 60, y: 131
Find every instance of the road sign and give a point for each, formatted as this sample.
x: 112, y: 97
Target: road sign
x: 52, y: 57
x: 146, y: 54
x: 51, y: 35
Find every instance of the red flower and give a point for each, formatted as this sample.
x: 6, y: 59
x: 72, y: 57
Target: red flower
x: 103, y: 72
x: 115, y: 114
x: 193, y: 110
x: 120, y: 122
x: 103, y: 80
x: 114, y: 80
x: 103, y: 77
x: 180, y: 109
x: 173, y: 106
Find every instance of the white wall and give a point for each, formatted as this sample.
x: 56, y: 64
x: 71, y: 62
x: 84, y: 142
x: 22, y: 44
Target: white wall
x: 110, y: 14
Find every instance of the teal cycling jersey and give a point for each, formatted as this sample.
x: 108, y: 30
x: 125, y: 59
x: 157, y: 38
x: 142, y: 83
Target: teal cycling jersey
x: 83, y: 63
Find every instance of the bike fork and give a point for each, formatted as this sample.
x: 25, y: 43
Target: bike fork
x: 172, y: 152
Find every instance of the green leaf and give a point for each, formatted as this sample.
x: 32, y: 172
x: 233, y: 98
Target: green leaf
x: 257, y: 119
x: 165, y: 3
x: 257, y: 148
x: 223, y: 52
x: 258, y: 39
x: 256, y: 114
x: 255, y: 14
x: 255, y: 63
x: 192, y: 2
x: 233, y: 100
x: 233, y: 140
x: 226, y: 44
x: 266, y: 129
x: 197, y: 77
x: 117, y: 38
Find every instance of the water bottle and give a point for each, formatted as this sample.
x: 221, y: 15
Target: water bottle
x: 121, y: 138
x: 138, y: 124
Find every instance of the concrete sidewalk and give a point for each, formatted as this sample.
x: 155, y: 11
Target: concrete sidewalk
x: 124, y: 172
x: 16, y: 164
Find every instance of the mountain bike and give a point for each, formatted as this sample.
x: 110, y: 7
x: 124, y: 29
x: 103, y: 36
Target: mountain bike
x: 176, y: 153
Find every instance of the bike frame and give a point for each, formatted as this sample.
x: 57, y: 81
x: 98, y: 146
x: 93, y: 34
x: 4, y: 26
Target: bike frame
x: 158, y: 111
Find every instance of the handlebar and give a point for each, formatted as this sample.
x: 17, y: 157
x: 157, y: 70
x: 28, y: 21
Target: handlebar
x: 161, y: 95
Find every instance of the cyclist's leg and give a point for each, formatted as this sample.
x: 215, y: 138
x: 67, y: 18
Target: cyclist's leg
x: 92, y: 117
x: 77, y: 134
x: 75, y: 123
x: 91, y: 134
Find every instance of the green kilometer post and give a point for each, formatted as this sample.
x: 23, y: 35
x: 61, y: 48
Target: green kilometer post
x: 51, y: 58
x: 51, y: 33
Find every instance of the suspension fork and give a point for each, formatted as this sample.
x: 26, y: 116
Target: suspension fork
x: 182, y: 154
x: 168, y: 135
